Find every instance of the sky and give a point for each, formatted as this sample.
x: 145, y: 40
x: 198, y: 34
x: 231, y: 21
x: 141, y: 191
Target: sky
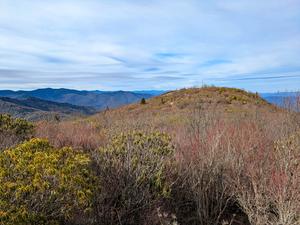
x: 150, y: 44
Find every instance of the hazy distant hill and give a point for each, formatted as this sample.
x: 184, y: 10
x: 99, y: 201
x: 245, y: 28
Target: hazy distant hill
x: 151, y: 92
x: 96, y: 99
x: 282, y: 99
x: 34, y: 109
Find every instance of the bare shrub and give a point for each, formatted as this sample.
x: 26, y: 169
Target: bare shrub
x: 206, y: 192
x: 201, y: 180
x: 79, y: 135
x: 285, y: 182
x: 264, y: 182
x: 226, y: 166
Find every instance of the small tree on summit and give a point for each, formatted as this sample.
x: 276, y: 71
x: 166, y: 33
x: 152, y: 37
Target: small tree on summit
x: 143, y: 101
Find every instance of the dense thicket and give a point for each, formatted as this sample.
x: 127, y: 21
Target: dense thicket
x: 43, y: 185
x: 13, y: 131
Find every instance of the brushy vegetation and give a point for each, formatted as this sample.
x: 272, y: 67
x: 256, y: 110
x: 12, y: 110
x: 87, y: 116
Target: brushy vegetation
x: 132, y: 171
x: 210, y: 156
x: 13, y: 131
x: 43, y: 185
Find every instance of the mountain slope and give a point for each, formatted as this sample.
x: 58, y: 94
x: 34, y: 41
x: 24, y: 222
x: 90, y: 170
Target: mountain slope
x: 227, y: 99
x: 175, y: 108
x: 95, y: 99
x: 34, y: 109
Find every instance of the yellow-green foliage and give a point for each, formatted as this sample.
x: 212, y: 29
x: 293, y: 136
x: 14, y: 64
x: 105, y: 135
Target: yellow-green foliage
x: 144, y: 156
x: 13, y: 131
x: 42, y: 185
x: 18, y: 127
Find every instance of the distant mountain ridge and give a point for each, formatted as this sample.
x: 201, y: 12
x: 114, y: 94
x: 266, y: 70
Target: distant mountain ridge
x: 35, y: 109
x: 281, y: 98
x: 96, y: 99
x: 151, y: 92
x: 48, y: 102
x: 112, y: 99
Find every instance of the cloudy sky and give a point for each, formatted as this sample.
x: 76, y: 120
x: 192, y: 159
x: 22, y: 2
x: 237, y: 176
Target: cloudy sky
x: 150, y: 44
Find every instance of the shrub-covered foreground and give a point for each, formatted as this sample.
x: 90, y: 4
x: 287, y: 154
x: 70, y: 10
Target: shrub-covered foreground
x: 208, y: 170
x: 120, y: 182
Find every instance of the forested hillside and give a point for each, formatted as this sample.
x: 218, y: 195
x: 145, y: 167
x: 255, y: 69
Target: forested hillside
x: 95, y: 99
x: 37, y: 109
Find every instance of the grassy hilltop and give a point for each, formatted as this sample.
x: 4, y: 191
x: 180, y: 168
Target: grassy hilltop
x: 178, y: 108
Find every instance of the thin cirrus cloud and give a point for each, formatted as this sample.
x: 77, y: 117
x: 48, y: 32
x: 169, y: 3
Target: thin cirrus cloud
x: 126, y: 44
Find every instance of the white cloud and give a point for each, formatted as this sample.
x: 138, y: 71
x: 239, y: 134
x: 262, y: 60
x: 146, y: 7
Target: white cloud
x: 129, y: 44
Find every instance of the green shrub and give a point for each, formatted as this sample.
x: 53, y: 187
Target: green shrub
x: 18, y: 126
x: 13, y: 131
x: 133, y: 176
x: 43, y: 185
